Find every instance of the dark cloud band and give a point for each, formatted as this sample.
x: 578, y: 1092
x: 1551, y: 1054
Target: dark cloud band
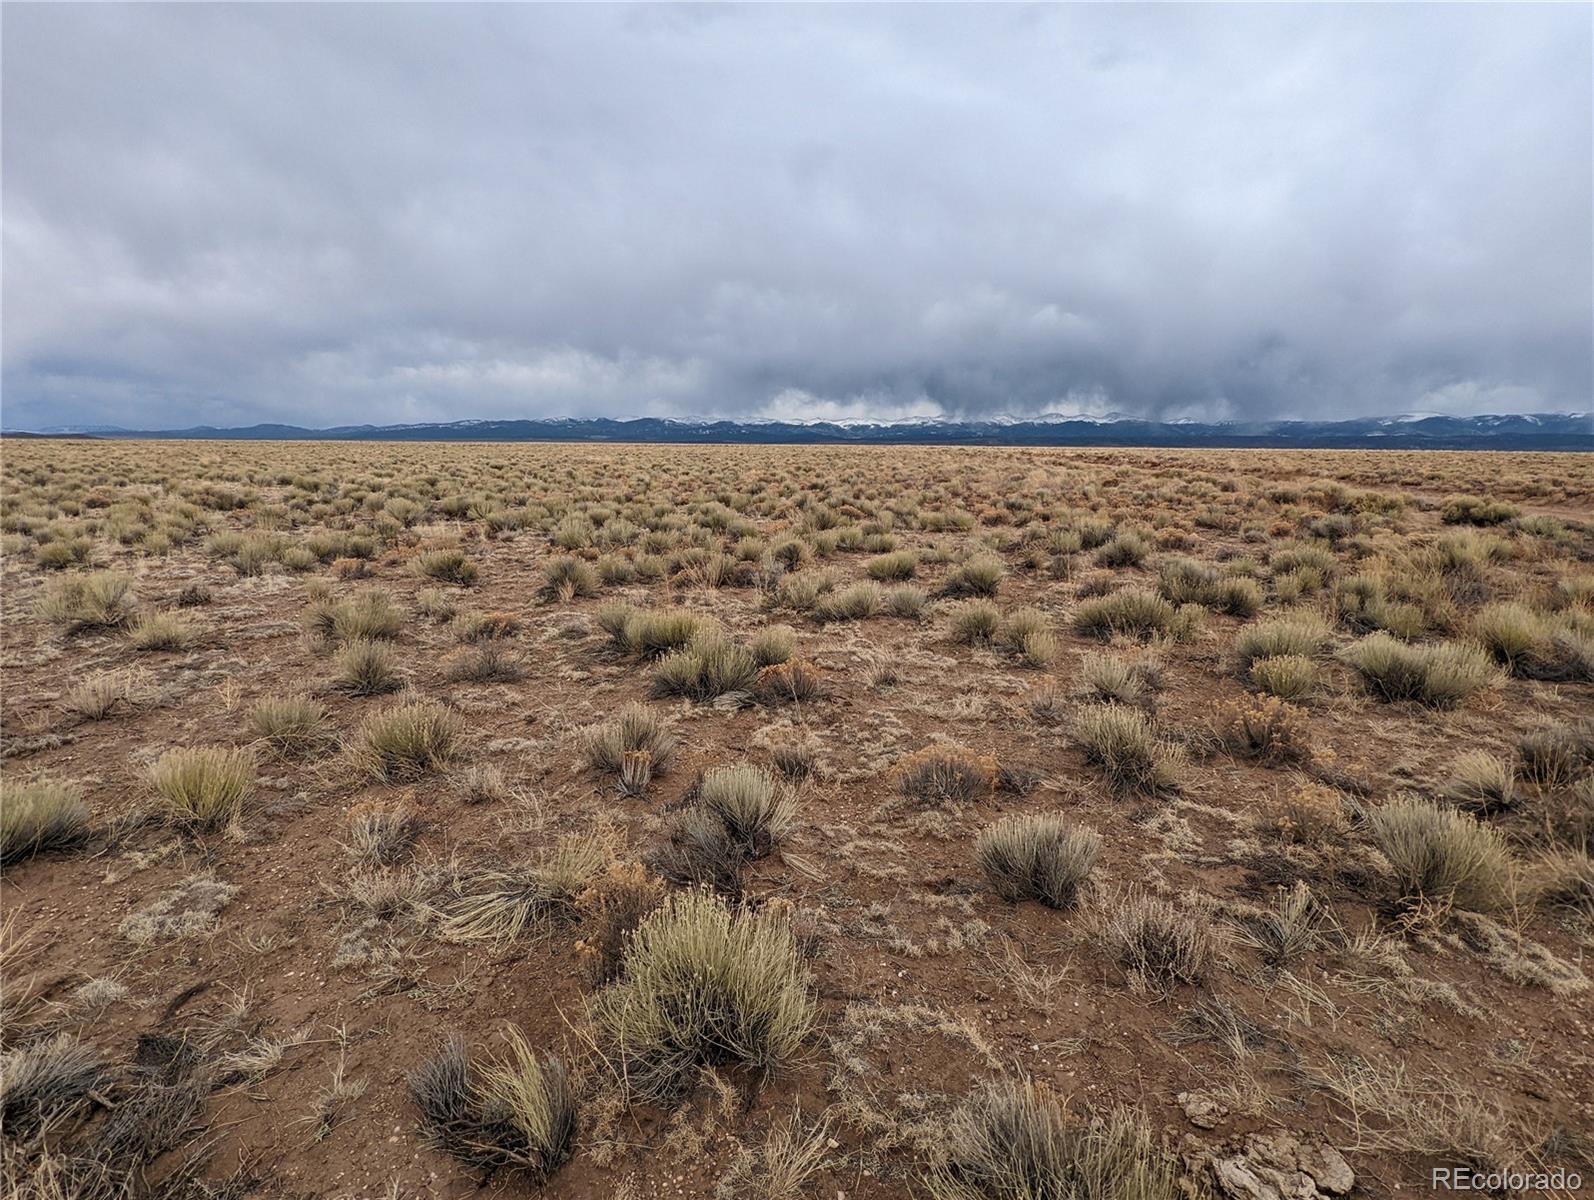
x: 322, y: 214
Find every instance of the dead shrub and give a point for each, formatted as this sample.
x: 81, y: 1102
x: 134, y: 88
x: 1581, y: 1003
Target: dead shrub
x: 937, y: 776
x: 517, y: 1112
x: 1157, y: 946
x: 795, y: 681
x: 1268, y: 730
x: 611, y: 908
x: 1015, y: 1141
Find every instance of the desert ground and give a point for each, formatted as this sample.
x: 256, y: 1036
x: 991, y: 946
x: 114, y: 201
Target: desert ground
x: 409, y: 820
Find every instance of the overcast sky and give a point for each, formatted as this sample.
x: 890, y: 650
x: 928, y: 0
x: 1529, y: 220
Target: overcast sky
x: 329, y: 214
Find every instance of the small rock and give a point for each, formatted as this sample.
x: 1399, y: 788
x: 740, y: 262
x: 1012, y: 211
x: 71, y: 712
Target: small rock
x: 1202, y: 1109
x: 1328, y: 1168
x: 1279, y: 1166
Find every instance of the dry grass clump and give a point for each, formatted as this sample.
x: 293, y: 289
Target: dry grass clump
x: 1573, y: 591
x: 47, y: 1082
x: 485, y: 626
x: 1027, y: 634
x: 1513, y: 634
x: 1014, y: 1141
x: 63, y: 553
x: 1112, y: 678
x: 772, y: 645
x: 568, y: 577
x: 107, y: 694
x: 648, y: 633
x: 1301, y: 634
x: 1555, y: 756
x: 41, y: 816
x: 203, y: 787
x: 482, y: 783
x: 908, y: 601
x: 1121, y: 741
x: 740, y: 814
x: 407, y: 741
x: 703, y: 984
x: 1294, y: 925
x: 489, y: 662
x: 382, y: 836
x: 1037, y: 856
x: 97, y: 600
x: 1266, y: 729
x: 516, y: 1112
x: 755, y: 808
x: 1440, y: 675
x: 1481, y: 784
x: 1133, y: 612
x: 1157, y: 946
x: 1562, y: 878
x: 500, y: 906
x: 435, y: 604
x: 290, y: 725
x: 937, y: 775
x: 795, y: 760
x: 1533, y: 646
x: 369, y: 615
x: 975, y: 622
x: 448, y: 565
x: 711, y: 667
x: 700, y: 853
x: 980, y: 575
x: 363, y: 667
x: 781, y: 1164
x: 1127, y: 549
x: 1184, y: 581
x: 1477, y: 510
x: 854, y: 603
x: 1286, y: 676
x: 1442, y: 856
x: 636, y: 729
x: 796, y: 682
x: 162, y: 631
x: 1363, y: 604
x: 896, y: 566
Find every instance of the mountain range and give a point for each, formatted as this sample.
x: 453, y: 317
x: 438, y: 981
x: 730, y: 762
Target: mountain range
x: 1524, y: 431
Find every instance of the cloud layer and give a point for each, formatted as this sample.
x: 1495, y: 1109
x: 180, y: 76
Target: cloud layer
x: 328, y: 214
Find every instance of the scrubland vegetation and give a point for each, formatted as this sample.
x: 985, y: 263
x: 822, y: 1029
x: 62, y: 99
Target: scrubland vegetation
x: 394, y: 820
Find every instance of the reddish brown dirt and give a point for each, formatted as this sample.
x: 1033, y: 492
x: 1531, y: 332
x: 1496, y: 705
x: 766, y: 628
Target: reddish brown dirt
x: 1093, y: 1037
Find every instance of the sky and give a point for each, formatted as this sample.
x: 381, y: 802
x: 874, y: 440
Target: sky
x: 337, y: 214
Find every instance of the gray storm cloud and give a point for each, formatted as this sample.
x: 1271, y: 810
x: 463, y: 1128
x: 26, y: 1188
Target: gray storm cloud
x: 330, y: 214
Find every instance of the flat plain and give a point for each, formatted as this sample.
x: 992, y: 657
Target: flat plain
x: 406, y: 819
